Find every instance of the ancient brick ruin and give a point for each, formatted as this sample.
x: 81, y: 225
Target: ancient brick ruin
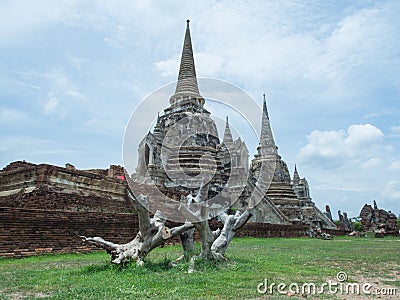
x: 376, y: 219
x: 43, y: 207
x: 31, y: 186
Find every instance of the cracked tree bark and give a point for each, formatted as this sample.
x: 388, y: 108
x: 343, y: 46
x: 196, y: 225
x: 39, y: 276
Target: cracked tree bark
x: 232, y: 223
x: 152, y: 233
x: 213, y: 243
x: 187, y: 239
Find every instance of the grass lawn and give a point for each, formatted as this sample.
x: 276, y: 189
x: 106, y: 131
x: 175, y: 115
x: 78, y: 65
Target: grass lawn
x: 250, y: 261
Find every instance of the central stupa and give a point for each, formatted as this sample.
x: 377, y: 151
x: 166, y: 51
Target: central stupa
x: 184, y: 151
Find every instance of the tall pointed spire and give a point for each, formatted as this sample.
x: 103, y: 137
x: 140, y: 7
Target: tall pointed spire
x: 186, y: 87
x: 228, y: 140
x: 187, y: 73
x: 296, y: 177
x: 265, y: 110
x: 267, y: 143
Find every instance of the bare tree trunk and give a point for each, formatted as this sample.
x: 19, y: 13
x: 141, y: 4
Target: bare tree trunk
x: 232, y: 223
x: 213, y: 243
x: 187, y: 239
x: 152, y: 233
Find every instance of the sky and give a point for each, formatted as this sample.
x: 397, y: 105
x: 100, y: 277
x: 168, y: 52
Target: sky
x: 73, y: 72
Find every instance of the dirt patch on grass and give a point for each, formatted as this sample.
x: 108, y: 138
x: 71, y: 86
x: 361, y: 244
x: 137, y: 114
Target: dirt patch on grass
x: 377, y: 287
x: 359, y: 285
x: 23, y: 295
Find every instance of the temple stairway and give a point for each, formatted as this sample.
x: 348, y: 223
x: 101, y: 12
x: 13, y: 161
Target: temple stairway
x: 284, y: 197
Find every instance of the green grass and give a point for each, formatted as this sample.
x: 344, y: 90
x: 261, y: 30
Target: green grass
x: 91, y: 276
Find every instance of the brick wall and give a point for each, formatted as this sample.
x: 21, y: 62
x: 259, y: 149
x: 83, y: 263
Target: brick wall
x: 51, y: 199
x: 25, y: 232
x: 265, y: 230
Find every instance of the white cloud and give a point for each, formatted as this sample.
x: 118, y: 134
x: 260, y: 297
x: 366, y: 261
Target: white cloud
x: 207, y: 65
x: 168, y: 67
x: 360, y: 136
x: 75, y: 61
x: 63, y: 96
x: 106, y: 125
x: 118, y: 38
x: 358, y: 142
x: 372, y: 163
x: 18, y: 18
x: 326, y: 144
x: 34, y: 149
x: 51, y: 105
x: 59, y: 80
x: 395, y: 130
x: 28, y: 85
x: 392, y: 190
x: 371, y: 115
x: 316, y: 62
x: 394, y: 166
x: 353, y: 163
x: 59, y: 83
x: 11, y: 116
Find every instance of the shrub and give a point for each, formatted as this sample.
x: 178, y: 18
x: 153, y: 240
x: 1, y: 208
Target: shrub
x: 357, y: 226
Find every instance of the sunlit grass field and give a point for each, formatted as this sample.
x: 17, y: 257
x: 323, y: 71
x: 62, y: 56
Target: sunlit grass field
x: 250, y: 261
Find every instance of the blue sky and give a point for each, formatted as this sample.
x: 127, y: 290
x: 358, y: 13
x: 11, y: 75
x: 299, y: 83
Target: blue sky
x: 72, y: 72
